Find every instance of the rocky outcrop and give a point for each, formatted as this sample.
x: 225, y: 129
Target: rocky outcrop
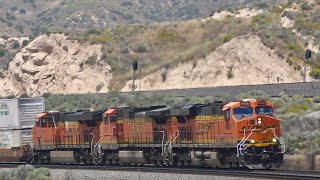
x: 57, y: 65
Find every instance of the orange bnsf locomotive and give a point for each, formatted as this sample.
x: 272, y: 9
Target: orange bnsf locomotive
x: 242, y: 133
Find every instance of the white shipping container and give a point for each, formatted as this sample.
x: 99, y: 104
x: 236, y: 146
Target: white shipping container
x: 9, y: 114
x: 29, y: 108
x: 17, y: 117
x: 10, y: 138
x: 20, y: 113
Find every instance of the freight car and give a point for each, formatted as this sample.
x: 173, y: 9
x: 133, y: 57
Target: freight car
x: 16, y: 123
x: 242, y: 133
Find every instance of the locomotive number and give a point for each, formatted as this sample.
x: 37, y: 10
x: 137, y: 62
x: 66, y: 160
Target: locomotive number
x: 204, y: 126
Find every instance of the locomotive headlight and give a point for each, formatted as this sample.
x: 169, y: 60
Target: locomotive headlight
x: 274, y: 140
x: 259, y: 120
x: 252, y: 141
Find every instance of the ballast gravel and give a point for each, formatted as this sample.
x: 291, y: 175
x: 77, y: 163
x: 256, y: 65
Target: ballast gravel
x: 63, y: 174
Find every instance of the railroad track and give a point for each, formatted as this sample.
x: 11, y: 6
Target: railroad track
x: 266, y: 174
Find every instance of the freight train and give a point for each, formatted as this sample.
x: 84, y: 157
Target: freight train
x: 243, y: 133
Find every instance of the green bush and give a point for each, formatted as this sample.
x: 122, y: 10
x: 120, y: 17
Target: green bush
x: 2, y: 52
x: 24, y: 43
x: 26, y: 172
x: 229, y: 73
x: 92, y: 60
x: 124, y: 49
x: 306, y: 6
x: 315, y: 72
x: 15, y: 45
x: 227, y: 38
x: 99, y: 87
x: 140, y: 48
x: 22, y: 11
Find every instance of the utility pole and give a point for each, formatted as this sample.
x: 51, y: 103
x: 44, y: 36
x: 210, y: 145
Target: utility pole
x: 135, y: 71
x: 307, y: 56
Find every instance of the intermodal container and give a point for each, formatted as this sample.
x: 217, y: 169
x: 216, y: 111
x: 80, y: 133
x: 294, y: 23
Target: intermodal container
x: 18, y: 115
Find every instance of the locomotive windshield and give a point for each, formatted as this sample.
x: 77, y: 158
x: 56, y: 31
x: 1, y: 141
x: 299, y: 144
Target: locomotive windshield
x: 242, y: 112
x: 265, y: 110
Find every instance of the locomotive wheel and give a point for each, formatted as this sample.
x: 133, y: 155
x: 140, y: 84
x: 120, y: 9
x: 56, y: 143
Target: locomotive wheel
x: 180, y: 163
x: 155, y: 162
x: 115, y: 162
x: 108, y: 162
x: 186, y: 163
x: 159, y: 163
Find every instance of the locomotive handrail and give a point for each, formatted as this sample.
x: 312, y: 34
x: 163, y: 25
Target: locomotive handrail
x: 239, y: 146
x: 92, y: 143
x: 162, y: 147
x: 244, y: 139
x: 281, y: 142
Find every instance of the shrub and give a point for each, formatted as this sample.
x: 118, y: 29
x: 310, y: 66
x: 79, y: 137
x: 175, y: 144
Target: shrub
x: 5, y: 37
x: 315, y: 72
x: 92, y: 60
x: 316, y: 99
x: 306, y: 6
x: 164, y: 73
x: 26, y: 172
x: 65, y: 48
x: 124, y: 49
x: 2, y: 52
x: 24, y: 43
x: 15, y: 45
x: 22, y: 11
x: 229, y: 73
x: 140, y: 48
x: 99, y: 87
x: 19, y: 28
x: 227, y: 38
x: 1, y: 75
x: 164, y: 35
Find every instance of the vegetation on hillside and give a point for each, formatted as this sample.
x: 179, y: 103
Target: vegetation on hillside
x: 33, y: 17
x: 161, y: 46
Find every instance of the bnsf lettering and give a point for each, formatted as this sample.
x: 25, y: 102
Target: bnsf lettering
x: 72, y: 130
x: 204, y: 126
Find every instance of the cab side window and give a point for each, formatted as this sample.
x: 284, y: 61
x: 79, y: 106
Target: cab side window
x: 106, y: 120
x: 227, y: 118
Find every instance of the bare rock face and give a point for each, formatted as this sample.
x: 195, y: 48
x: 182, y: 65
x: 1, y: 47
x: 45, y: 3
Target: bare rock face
x: 57, y: 65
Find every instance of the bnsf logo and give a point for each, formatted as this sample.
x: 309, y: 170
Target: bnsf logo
x: 72, y: 130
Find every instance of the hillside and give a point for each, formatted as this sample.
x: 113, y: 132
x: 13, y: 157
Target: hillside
x: 243, y: 60
x: 33, y: 17
x: 239, y: 46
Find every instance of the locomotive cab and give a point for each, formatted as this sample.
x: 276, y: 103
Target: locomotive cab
x: 257, y: 130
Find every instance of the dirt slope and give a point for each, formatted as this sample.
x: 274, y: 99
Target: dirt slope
x: 242, y: 61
